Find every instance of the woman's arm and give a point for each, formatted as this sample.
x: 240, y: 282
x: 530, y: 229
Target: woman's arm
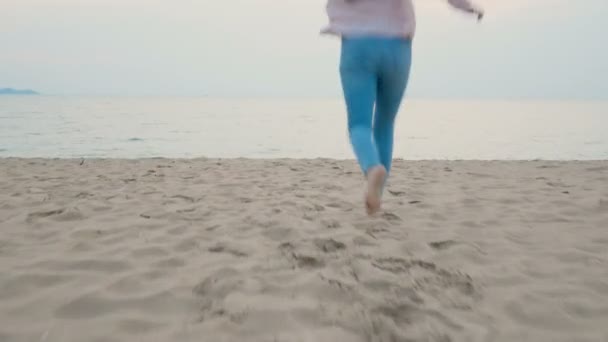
x: 467, y: 6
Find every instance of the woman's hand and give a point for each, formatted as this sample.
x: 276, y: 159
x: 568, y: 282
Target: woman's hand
x: 467, y: 6
x: 478, y: 12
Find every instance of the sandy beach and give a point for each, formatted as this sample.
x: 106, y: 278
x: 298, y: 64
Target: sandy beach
x: 281, y: 250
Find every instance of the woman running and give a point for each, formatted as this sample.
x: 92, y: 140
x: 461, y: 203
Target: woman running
x: 374, y: 69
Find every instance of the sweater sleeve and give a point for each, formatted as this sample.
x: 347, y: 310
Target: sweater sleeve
x: 464, y: 5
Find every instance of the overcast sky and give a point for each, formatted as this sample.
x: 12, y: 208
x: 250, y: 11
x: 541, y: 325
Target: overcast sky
x: 555, y: 49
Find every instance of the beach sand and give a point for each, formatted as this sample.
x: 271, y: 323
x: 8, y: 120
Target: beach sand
x: 281, y: 250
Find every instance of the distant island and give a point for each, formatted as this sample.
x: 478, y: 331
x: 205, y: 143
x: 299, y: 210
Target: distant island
x: 11, y: 91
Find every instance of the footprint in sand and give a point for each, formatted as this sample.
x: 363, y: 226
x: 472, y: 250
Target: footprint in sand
x: 362, y: 241
x: 329, y: 245
x: 300, y: 260
x: 84, y: 194
x: 336, y: 205
x: 184, y: 198
x: 331, y: 224
x: 214, y: 290
x: 396, y: 193
x: 393, y: 265
x: 391, y: 217
x: 43, y: 214
x: 307, y: 261
x: 376, y: 231
x: 480, y: 175
x: 548, y: 167
x: 446, y: 286
x: 442, y: 245
x: 218, y: 284
x: 223, y: 248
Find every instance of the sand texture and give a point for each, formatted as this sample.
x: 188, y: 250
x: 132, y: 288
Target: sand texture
x: 281, y: 250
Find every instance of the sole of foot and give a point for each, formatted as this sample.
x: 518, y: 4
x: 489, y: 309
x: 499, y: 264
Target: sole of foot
x: 373, y: 196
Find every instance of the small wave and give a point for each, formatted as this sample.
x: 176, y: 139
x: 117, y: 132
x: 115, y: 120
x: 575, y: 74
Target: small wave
x: 136, y: 139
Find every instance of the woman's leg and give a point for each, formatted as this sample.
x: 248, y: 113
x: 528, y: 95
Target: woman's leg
x: 358, y: 70
x: 394, y: 75
x: 359, y: 83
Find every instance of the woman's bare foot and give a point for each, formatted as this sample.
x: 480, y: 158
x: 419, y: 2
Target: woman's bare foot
x: 375, y: 181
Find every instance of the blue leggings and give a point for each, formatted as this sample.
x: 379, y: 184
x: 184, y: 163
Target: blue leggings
x: 374, y: 73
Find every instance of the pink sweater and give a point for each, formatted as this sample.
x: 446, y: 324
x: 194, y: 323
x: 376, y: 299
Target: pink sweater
x: 378, y: 17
